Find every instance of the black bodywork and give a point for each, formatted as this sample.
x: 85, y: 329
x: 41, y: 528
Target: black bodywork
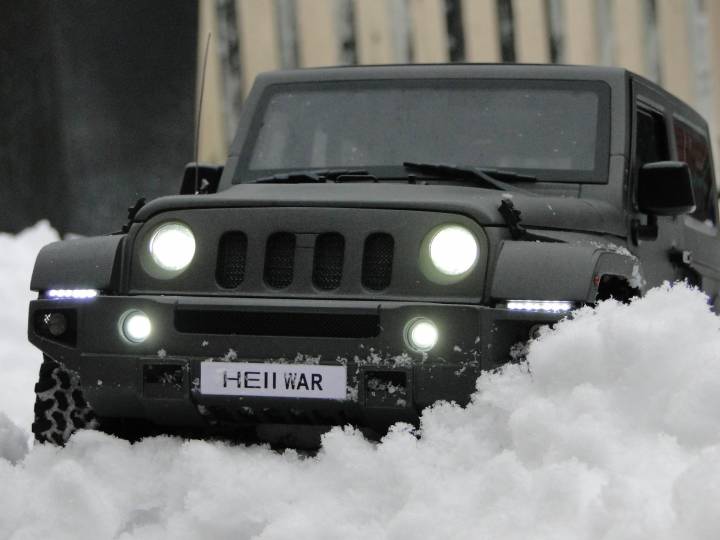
x: 549, y: 240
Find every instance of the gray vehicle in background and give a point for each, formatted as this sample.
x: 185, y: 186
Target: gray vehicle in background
x: 378, y: 238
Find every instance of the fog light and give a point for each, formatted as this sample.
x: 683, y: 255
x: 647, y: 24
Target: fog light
x: 421, y: 334
x: 135, y: 326
x: 56, y: 324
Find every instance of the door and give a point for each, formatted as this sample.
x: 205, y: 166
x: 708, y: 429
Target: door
x: 691, y: 144
x: 651, y: 142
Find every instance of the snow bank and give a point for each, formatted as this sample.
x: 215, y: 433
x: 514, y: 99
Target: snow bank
x: 13, y: 440
x: 19, y: 361
x: 612, y: 431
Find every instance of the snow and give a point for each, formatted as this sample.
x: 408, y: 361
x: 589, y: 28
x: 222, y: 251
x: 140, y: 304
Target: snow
x: 611, y: 431
x: 13, y: 440
x: 19, y: 361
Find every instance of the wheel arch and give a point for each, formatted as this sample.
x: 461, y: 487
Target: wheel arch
x: 78, y: 263
x: 561, y: 271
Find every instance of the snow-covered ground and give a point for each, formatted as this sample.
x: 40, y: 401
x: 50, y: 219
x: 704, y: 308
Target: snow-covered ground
x: 19, y: 361
x: 612, y: 432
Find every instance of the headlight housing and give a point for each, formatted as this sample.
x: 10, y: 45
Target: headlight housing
x: 450, y: 253
x: 172, y: 247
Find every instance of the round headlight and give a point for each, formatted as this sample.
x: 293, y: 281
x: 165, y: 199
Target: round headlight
x: 135, y: 326
x: 172, y: 246
x: 453, y: 250
x: 421, y: 334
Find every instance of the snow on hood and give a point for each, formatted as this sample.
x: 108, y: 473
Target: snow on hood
x: 611, y: 431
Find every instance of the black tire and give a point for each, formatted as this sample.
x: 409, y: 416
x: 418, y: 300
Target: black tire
x: 60, y: 408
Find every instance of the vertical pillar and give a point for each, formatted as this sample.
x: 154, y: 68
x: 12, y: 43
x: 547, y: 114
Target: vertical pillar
x: 318, y: 33
x: 581, y: 35
x: 630, y: 31
x: 258, y: 36
x: 482, y: 32
x: 676, y: 62
x: 429, y: 30
x: 713, y: 13
x: 212, y: 141
x: 532, y: 41
x: 374, y: 32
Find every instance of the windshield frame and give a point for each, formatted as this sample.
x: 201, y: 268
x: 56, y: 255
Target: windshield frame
x: 599, y: 175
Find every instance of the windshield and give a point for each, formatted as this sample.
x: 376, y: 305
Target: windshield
x: 555, y: 130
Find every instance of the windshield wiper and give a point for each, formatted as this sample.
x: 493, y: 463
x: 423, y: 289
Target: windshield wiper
x: 489, y: 177
x: 510, y: 176
x: 316, y: 176
x: 477, y: 174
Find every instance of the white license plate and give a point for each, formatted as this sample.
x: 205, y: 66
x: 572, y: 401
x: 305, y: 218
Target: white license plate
x: 273, y: 380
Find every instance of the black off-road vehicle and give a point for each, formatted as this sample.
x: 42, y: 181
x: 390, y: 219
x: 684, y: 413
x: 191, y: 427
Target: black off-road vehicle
x: 378, y: 238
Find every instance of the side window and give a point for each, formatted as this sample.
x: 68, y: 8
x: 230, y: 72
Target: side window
x: 693, y: 149
x: 652, y: 140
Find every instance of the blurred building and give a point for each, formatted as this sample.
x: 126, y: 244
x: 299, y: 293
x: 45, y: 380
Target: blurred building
x: 98, y: 98
x: 673, y: 42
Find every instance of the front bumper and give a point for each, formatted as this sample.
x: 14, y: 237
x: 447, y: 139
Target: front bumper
x: 158, y: 380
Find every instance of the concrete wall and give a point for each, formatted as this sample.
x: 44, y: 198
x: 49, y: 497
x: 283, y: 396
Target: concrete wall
x: 97, y: 105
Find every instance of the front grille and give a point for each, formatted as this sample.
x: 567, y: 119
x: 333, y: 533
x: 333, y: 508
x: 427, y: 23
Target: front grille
x: 378, y: 261
x: 328, y: 261
x: 232, y: 256
x: 279, y: 324
x: 280, y: 260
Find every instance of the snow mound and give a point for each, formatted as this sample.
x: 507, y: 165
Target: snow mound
x: 13, y: 440
x: 19, y: 361
x: 610, y: 431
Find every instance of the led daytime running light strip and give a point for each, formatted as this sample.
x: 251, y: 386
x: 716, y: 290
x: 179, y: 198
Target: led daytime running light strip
x: 75, y: 294
x: 551, y: 306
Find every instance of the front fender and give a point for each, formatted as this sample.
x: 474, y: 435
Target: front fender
x: 83, y: 263
x: 556, y: 271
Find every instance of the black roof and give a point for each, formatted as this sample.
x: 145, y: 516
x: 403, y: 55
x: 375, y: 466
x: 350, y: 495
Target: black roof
x: 612, y: 75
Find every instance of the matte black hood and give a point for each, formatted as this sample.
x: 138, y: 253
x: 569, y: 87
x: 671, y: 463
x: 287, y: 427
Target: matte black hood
x: 559, y: 213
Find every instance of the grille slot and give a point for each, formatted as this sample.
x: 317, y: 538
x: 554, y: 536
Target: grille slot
x: 280, y: 260
x: 232, y: 258
x: 279, y: 324
x: 378, y: 261
x: 328, y: 262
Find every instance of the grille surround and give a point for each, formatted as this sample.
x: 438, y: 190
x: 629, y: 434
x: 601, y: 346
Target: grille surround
x: 407, y: 227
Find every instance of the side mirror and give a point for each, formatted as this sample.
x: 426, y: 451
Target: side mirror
x: 665, y: 189
x: 206, y: 176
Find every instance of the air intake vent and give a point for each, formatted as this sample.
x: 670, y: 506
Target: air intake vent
x: 248, y: 323
x: 328, y: 263
x: 232, y: 257
x: 280, y: 260
x: 378, y: 261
